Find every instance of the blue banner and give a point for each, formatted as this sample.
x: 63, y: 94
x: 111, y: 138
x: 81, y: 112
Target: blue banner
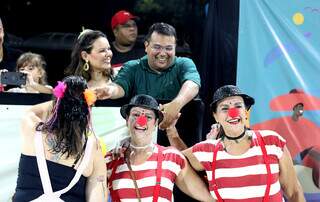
x: 279, y: 65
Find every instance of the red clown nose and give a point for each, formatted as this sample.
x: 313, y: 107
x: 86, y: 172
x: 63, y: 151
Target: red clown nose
x: 141, y: 120
x: 233, y: 112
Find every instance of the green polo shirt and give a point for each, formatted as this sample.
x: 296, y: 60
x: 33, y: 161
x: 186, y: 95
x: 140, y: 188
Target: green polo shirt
x: 136, y: 77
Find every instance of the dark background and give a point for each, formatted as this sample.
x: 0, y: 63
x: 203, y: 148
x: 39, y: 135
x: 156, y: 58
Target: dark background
x: 49, y: 27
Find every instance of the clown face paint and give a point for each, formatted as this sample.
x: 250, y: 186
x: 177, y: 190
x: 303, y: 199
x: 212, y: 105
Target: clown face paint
x: 231, y: 114
x: 141, y: 124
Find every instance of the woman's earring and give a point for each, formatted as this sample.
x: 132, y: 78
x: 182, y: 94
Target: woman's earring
x: 86, y: 66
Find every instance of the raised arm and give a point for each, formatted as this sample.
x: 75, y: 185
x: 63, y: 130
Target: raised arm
x: 28, y: 126
x: 41, y: 110
x: 174, y: 139
x: 40, y: 88
x: 112, y: 91
x: 188, y: 91
x: 193, y: 160
x: 96, y: 187
x: 32, y: 85
x: 191, y: 184
x: 288, y: 179
x: 173, y: 136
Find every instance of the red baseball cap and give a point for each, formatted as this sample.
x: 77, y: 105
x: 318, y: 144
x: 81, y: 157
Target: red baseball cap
x: 121, y: 17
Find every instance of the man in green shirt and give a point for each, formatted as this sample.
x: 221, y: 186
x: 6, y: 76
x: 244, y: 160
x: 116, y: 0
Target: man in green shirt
x: 160, y: 74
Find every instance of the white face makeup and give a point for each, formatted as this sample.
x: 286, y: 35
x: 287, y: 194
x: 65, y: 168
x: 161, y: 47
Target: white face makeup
x: 141, y: 123
x: 232, y: 122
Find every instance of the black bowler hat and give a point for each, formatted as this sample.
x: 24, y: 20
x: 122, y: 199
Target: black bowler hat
x: 228, y: 91
x: 144, y: 101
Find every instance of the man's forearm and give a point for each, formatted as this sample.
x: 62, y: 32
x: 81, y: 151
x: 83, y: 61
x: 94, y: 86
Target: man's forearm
x: 116, y: 91
x: 188, y: 91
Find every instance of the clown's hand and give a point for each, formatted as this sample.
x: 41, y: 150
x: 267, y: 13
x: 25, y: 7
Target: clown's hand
x: 120, y: 149
x: 173, y: 124
x: 215, y: 128
x: 170, y: 112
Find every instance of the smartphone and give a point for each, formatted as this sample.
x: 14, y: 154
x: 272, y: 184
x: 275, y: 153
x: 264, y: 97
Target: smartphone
x: 13, y: 78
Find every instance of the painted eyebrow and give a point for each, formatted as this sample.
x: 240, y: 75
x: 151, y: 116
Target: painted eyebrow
x: 146, y: 113
x: 227, y: 105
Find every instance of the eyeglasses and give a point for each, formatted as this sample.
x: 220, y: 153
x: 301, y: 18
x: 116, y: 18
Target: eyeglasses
x: 158, y: 48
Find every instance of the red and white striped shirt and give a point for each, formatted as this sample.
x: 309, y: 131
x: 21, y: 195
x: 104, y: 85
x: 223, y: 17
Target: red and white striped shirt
x: 244, y: 177
x: 145, y: 173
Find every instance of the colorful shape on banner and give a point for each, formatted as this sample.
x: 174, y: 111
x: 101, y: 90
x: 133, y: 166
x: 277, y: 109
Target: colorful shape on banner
x: 286, y: 102
x: 298, y: 18
x: 279, y: 45
x: 276, y: 53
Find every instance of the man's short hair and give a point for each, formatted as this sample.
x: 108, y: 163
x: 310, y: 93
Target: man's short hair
x: 161, y: 28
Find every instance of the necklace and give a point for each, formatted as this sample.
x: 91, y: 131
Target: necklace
x: 142, y: 147
x: 238, y: 138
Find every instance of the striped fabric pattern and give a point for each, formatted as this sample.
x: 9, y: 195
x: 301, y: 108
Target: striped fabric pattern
x: 243, y: 177
x: 173, y: 162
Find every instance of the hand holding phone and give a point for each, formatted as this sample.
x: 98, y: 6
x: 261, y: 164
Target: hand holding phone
x: 13, y: 78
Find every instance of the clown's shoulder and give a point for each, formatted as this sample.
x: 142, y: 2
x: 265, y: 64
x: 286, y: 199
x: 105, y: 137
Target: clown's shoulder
x: 266, y: 133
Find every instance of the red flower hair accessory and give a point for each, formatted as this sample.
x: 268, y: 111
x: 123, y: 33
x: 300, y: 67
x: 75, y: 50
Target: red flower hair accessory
x: 59, y: 90
x: 90, y: 96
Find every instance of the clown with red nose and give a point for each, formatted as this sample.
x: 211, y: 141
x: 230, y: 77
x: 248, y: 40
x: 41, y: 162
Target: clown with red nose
x: 142, y: 117
x: 243, y: 164
x: 229, y: 108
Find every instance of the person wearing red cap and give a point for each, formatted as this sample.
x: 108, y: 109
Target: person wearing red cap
x: 125, y: 46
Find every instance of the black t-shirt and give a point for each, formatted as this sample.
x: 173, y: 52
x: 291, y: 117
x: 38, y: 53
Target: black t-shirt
x: 10, y: 56
x: 119, y: 58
